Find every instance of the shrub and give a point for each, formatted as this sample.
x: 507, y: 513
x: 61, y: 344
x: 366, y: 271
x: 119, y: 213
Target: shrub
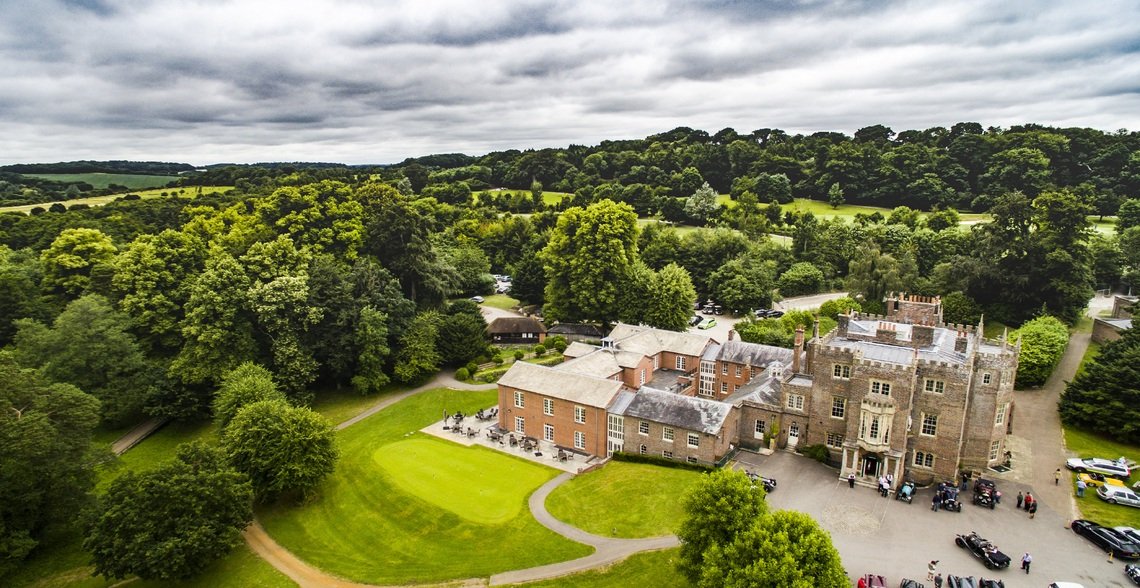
x: 557, y: 342
x: 817, y: 452
x: 661, y: 461
x: 472, y: 367
x: 497, y: 358
x: 801, y: 278
x: 1043, y: 340
x: 519, y: 354
x: 539, y: 350
x: 957, y: 308
x: 462, y: 374
x: 834, y: 308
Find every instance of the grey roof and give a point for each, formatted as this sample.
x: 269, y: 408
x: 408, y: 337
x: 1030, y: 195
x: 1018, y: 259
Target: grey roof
x: 753, y: 353
x: 578, y: 349
x: 621, y: 401
x: 683, y: 412
x: 596, y: 363
x: 511, y: 325
x: 562, y: 384
x: 1118, y: 323
x: 581, y: 329
x: 650, y: 341
x: 941, y: 350
x: 761, y: 390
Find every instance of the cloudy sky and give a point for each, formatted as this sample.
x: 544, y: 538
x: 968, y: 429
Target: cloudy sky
x: 370, y: 81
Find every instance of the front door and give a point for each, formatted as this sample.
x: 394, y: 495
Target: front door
x: 793, y: 435
x: 871, y: 466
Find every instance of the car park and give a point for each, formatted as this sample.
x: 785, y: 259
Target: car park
x: 708, y: 324
x: 1118, y: 495
x: 1095, y: 480
x: 1133, y: 573
x: 1107, y: 539
x: 1115, y: 469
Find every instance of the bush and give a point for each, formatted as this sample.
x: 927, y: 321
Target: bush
x: 462, y: 374
x: 960, y: 309
x: 519, y: 354
x: 802, y: 278
x: 557, y: 342
x: 834, y: 308
x: 661, y: 461
x: 472, y: 367
x: 497, y: 358
x: 817, y: 452
x: 539, y: 350
x: 1043, y: 341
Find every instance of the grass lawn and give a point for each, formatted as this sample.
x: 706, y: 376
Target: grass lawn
x: 554, y: 198
x: 500, y: 301
x: 1085, y: 444
x: 99, y: 180
x: 624, y: 499
x: 191, y: 191
x: 655, y: 568
x: 994, y: 330
x: 339, y: 405
x: 366, y: 527
x: 1090, y: 353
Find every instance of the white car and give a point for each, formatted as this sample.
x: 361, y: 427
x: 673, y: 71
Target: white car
x: 1116, y: 469
x: 1118, y: 495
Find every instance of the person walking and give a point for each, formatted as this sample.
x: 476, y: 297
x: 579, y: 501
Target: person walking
x: 1020, y: 499
x: 1033, y: 509
x: 1057, y: 477
x: 1028, y: 500
x: 938, y: 580
x: 1081, y: 488
x: 1026, y: 559
x: 931, y: 568
x: 851, y: 480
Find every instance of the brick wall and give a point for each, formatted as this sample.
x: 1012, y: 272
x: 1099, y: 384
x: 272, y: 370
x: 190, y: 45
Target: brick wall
x: 709, y: 450
x: 563, y: 420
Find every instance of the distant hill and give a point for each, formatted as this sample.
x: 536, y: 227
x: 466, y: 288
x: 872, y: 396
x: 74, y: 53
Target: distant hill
x: 154, y: 168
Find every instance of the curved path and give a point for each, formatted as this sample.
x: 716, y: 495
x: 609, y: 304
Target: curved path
x: 606, y: 550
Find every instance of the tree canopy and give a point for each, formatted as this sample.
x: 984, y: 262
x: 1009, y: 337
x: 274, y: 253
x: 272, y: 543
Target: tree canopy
x: 283, y: 449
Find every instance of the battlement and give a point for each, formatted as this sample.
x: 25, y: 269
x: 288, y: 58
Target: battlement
x: 918, y: 309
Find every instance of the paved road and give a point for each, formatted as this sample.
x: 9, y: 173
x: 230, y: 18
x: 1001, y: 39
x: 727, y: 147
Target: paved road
x: 726, y: 322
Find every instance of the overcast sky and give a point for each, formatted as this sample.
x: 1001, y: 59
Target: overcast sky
x: 362, y: 81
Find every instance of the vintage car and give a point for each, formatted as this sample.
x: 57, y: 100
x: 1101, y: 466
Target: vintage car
x: 769, y: 483
x: 990, y: 555
x: 1107, y: 539
x: 871, y: 581
x: 1095, y: 480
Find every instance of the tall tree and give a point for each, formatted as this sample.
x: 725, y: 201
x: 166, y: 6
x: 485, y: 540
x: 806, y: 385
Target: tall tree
x: 1105, y: 396
x: 722, y: 505
x: 78, y: 261
x: 171, y: 522
x: 153, y: 276
x: 782, y: 549
x: 671, y: 297
x: 702, y: 205
x: 243, y: 385
x: 283, y: 449
x: 873, y: 274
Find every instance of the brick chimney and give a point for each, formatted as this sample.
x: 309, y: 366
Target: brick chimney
x: 961, y: 341
x: 841, y: 325
x: 797, y: 349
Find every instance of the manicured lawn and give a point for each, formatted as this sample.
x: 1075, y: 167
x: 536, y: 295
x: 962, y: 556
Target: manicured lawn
x: 655, y: 568
x: 477, y: 485
x: 98, y: 180
x: 340, y: 405
x: 155, y: 449
x: 365, y: 527
x: 624, y: 499
x: 995, y: 329
x: 1085, y: 444
x: 552, y: 198
x: 500, y: 301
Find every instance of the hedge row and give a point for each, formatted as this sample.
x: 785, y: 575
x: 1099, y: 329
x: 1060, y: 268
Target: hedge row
x: 1043, y: 341
x: 661, y: 461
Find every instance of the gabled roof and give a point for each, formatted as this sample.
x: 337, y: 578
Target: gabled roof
x: 510, y: 325
x: 683, y: 412
x: 650, y: 341
x: 597, y: 363
x: 561, y: 384
x: 753, y: 354
x: 578, y: 349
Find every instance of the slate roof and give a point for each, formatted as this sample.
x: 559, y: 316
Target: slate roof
x: 754, y: 354
x: 1117, y: 323
x: 580, y: 329
x: 761, y: 390
x: 596, y: 363
x: 562, y: 384
x: 515, y: 325
x: 683, y: 412
x: 650, y: 341
x: 578, y: 349
x: 942, y: 348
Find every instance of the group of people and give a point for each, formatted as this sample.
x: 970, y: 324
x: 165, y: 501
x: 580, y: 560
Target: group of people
x: 885, y: 484
x: 1028, y: 502
x: 945, y: 494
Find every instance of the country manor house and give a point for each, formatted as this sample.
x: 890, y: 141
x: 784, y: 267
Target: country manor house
x: 903, y: 394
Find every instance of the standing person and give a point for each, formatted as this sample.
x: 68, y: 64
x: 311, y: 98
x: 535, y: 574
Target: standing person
x: 935, y: 501
x: 938, y: 580
x: 931, y: 568
x: 1033, y: 509
x: 997, y: 496
x: 1057, y: 477
x: 851, y: 480
x: 1081, y: 488
x: 1028, y: 499
x: 1025, y: 561
x: 1020, y: 499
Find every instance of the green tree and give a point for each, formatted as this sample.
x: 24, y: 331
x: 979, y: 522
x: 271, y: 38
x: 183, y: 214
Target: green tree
x: 873, y: 274
x: 802, y: 278
x: 78, y: 260
x: 283, y: 449
x: 45, y: 430
x: 670, y: 301
x: 171, y: 522
x: 241, y: 386
x: 19, y: 290
x: 835, y: 196
x: 960, y: 309
x: 833, y: 308
x: 153, y: 276
x: 372, y: 351
x: 1043, y: 341
x: 702, y: 205
x: 744, y: 283
x: 945, y: 218
x: 461, y: 338
x: 722, y: 505
x: 417, y: 357
x: 589, y: 258
x: 528, y: 279
x: 1128, y: 215
x: 783, y: 549
x: 1105, y: 396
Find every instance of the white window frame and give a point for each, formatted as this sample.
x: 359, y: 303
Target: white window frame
x: 841, y: 372
x: 723, y: 369
x: 929, y: 423
x: 995, y: 449
x: 680, y: 362
x: 642, y: 449
x: 641, y: 377
x: 759, y: 429
x: 694, y: 440
x: 520, y: 425
x: 548, y: 406
x: 924, y: 460
x: 724, y: 387
x: 987, y: 377
x: 691, y: 459
x: 643, y: 428
x: 795, y: 401
x: 1001, y: 412
x: 579, y: 440
x: 838, y: 404
x: 667, y: 434
x: 520, y: 399
x: 667, y: 454
x: 835, y: 440
x: 548, y: 432
x: 880, y: 387
x: 934, y: 386
x: 580, y: 414
x: 739, y: 371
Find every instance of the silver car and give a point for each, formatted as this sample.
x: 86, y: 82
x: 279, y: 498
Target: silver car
x: 1117, y: 495
x: 1116, y: 469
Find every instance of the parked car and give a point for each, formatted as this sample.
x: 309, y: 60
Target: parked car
x: 1133, y: 573
x: 1107, y: 539
x: 1095, y: 480
x: 871, y: 581
x: 1066, y: 585
x: 1131, y: 533
x: 708, y: 324
x: 478, y: 299
x: 695, y: 320
x: 769, y: 483
x: 718, y: 309
x: 990, y: 555
x: 1118, y: 495
x: 1116, y: 469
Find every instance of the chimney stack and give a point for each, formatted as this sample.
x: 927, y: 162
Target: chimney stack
x: 961, y: 341
x: 799, y: 346
x: 731, y: 334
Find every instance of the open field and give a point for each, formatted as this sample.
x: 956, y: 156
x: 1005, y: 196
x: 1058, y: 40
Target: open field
x: 502, y: 301
x: 101, y: 200
x: 624, y: 499
x: 656, y: 568
x: 1085, y: 444
x: 99, y: 180
x: 366, y: 527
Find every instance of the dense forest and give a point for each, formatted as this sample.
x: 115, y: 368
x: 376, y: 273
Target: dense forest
x: 335, y: 276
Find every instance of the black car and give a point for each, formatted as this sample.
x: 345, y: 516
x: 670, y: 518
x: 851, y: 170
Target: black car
x: 1133, y: 573
x: 1107, y: 539
x: 769, y: 483
x: 695, y: 320
x: 990, y: 555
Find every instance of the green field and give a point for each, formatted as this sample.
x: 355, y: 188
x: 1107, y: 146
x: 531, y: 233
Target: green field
x: 100, y: 181
x: 1085, y: 444
x: 188, y: 192
x: 367, y: 527
x: 502, y: 301
x: 624, y: 499
x: 656, y: 568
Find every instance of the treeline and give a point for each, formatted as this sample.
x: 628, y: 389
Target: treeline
x: 156, y: 168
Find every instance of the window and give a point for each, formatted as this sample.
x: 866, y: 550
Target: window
x: 707, y: 367
x: 842, y: 372
x: 641, y: 377
x: 923, y: 460
x: 643, y: 427
x: 681, y: 362
x: 760, y: 428
x: 739, y: 371
x: 935, y: 386
x: 838, y: 407
x: 724, y: 369
x: 579, y: 414
x: 548, y: 432
x: 795, y: 401
x: 656, y: 362
x: 520, y: 402
x: 642, y: 449
x: 724, y: 387
x: 834, y: 440
x: 520, y: 425
x: 706, y: 387
x: 986, y: 377
x: 995, y: 447
x: 1001, y: 415
x: 548, y: 406
x: 668, y: 454
x: 878, y: 387
x: 691, y: 459
x: 694, y: 440
x: 667, y: 434
x: 579, y: 440
x: 929, y: 424
x: 875, y: 428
